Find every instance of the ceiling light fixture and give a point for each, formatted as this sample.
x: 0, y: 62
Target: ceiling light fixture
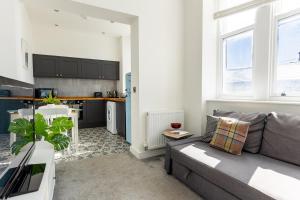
x: 56, y: 25
x: 56, y: 10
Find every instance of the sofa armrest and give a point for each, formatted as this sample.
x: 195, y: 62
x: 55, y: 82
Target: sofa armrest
x: 170, y: 144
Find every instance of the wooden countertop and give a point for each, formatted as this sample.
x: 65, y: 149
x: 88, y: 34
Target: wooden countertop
x: 68, y: 98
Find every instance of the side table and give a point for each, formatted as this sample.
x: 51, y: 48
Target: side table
x: 171, y: 134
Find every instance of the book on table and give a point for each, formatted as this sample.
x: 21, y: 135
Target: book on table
x: 175, y: 133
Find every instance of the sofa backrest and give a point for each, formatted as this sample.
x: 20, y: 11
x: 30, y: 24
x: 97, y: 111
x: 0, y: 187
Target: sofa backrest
x: 257, y: 123
x: 281, y: 137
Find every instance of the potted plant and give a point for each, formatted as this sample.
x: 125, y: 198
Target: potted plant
x: 51, y: 100
x: 51, y: 133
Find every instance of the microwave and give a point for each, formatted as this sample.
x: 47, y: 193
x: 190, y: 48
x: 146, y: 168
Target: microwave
x: 44, y: 92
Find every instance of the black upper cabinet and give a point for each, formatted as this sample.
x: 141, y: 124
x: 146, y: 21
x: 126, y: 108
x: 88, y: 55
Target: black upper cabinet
x: 90, y: 69
x: 66, y: 67
x: 110, y: 70
x: 44, y: 66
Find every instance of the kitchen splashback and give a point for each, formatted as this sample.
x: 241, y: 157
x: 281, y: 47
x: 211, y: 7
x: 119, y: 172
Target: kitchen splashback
x: 75, y: 87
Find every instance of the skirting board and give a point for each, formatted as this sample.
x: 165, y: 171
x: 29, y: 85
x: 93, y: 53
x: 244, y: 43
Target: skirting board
x: 147, y: 154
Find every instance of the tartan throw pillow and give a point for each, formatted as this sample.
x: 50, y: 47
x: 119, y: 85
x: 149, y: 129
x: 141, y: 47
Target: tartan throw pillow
x: 230, y: 135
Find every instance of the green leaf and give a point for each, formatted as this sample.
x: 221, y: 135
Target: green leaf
x: 40, y: 125
x: 52, y: 133
x: 61, y: 124
x: 51, y: 100
x: 59, y: 141
x: 21, y: 127
x: 18, y: 145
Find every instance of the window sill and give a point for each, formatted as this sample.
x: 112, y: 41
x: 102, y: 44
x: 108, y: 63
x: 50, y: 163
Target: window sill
x: 253, y: 102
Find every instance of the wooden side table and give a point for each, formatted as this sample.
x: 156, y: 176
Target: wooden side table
x: 176, y: 134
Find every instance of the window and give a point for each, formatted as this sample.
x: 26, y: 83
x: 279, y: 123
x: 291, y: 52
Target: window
x: 237, y: 64
x: 259, y: 49
x: 287, y: 72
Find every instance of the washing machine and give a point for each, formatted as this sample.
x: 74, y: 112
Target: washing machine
x: 111, y: 118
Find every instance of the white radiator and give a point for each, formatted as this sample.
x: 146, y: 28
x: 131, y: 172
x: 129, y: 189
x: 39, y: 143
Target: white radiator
x: 156, y: 123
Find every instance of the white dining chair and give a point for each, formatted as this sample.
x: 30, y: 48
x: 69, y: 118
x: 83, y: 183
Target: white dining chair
x: 26, y: 113
x: 50, y: 113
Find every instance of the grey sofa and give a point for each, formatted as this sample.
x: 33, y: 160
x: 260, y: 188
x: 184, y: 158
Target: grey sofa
x: 271, y: 173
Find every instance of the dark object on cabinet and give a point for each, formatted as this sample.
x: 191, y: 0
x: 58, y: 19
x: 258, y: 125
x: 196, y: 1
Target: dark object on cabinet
x: 121, y: 119
x: 94, y: 114
x: 67, y: 67
x: 6, y: 105
x: 98, y: 94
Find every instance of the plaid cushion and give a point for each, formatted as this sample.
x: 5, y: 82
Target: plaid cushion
x: 230, y: 135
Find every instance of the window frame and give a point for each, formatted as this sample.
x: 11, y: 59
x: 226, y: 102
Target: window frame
x: 221, y: 64
x: 274, y: 58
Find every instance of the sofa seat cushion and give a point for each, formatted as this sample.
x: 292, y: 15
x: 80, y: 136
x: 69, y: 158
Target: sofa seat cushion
x: 250, y: 176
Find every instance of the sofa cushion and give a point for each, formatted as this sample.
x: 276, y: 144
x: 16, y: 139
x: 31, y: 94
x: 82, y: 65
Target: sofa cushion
x: 230, y: 135
x: 250, y: 176
x: 211, y: 126
x: 257, y: 123
x: 281, y: 139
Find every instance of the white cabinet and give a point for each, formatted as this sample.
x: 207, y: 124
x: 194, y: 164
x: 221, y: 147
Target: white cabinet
x: 43, y: 153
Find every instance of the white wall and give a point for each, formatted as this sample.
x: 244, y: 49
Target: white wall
x: 63, y: 42
x: 125, y: 63
x: 157, y: 57
x: 193, y: 66
x: 15, y: 25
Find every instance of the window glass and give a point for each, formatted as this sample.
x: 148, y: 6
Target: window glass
x: 237, y: 64
x: 288, y: 57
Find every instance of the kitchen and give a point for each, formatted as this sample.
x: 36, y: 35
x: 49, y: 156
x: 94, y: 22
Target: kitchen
x: 83, y: 61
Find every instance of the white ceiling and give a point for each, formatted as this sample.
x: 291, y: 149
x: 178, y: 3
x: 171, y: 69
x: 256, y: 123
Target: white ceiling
x: 74, y: 16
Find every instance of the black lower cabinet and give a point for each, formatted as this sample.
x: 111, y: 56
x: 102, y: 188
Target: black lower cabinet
x: 6, y: 105
x: 93, y: 114
x: 121, y: 119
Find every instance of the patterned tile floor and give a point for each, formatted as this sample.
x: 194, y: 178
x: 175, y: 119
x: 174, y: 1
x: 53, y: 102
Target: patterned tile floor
x: 5, y: 155
x: 92, y: 142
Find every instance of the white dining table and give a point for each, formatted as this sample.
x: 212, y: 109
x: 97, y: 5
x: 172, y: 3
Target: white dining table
x: 73, y: 114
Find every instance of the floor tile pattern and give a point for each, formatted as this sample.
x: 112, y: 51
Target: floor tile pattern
x: 92, y: 142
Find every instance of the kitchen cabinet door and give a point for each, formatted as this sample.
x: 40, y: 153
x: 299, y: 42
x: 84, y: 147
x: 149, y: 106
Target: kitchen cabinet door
x: 44, y: 66
x: 110, y: 70
x: 94, y: 114
x: 121, y: 119
x: 90, y: 69
x: 6, y: 105
x: 68, y: 67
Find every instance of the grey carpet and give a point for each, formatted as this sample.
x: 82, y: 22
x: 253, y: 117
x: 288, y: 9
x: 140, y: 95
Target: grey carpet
x: 117, y: 177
